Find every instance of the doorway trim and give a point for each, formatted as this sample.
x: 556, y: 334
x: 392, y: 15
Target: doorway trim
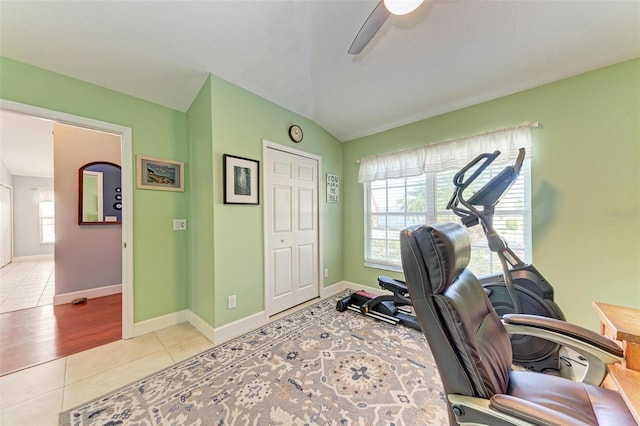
x: 10, y: 188
x: 127, y: 191
x: 272, y: 145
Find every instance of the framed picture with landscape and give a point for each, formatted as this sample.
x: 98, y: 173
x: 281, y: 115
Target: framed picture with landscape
x: 159, y: 174
x: 241, y: 180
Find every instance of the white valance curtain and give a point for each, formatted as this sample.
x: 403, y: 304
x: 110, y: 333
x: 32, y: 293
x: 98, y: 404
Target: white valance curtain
x: 44, y: 194
x: 453, y: 154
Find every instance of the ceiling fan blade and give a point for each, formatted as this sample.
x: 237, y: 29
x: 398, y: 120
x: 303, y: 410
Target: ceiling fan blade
x: 369, y: 28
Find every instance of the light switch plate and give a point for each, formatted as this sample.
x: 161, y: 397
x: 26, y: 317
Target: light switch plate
x: 179, y: 224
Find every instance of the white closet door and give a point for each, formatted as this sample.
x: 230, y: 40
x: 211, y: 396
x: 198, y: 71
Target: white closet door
x: 291, y: 230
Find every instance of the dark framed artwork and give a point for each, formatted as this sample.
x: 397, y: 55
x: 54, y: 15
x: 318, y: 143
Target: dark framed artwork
x: 241, y: 180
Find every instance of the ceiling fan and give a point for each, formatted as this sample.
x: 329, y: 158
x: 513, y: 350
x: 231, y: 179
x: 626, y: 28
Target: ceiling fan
x: 377, y: 18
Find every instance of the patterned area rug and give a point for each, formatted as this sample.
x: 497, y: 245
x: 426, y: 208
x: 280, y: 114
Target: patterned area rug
x: 316, y: 366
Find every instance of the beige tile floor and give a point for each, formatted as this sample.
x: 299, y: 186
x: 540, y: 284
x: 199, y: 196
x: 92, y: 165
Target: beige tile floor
x: 36, y: 396
x: 26, y: 284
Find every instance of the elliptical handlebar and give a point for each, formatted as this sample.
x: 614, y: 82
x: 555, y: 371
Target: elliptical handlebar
x: 487, y: 196
x: 518, y: 164
x: 488, y: 159
x: 469, y: 215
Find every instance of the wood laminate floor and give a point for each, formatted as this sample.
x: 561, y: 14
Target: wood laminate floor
x: 32, y: 336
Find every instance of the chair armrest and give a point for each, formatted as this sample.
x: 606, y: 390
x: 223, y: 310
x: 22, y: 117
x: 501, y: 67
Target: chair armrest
x: 470, y: 410
x: 566, y: 328
x: 530, y: 411
x: 598, y: 350
x: 504, y: 409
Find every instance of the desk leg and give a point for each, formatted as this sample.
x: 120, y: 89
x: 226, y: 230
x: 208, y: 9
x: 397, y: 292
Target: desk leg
x: 632, y: 355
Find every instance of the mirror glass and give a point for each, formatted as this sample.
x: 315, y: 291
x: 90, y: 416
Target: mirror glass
x: 100, y: 194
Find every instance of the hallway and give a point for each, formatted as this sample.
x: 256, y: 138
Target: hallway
x: 26, y: 284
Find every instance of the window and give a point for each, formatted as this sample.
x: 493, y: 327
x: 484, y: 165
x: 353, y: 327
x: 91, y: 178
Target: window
x: 46, y: 214
x: 394, y: 203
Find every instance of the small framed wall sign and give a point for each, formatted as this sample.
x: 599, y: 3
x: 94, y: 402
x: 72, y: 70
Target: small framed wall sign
x: 159, y: 174
x: 241, y: 180
x: 333, y: 188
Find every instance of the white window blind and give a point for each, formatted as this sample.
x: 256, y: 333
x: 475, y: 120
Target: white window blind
x: 413, y: 187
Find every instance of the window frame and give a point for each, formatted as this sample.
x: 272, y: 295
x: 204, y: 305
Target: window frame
x: 432, y: 213
x: 46, y: 220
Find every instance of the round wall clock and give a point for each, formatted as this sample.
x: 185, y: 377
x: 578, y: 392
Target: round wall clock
x: 295, y: 133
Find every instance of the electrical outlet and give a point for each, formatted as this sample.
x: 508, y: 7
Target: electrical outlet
x: 326, y: 272
x: 231, y: 302
x: 179, y: 224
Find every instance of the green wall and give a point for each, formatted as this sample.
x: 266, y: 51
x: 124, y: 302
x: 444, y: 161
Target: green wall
x: 241, y: 120
x: 586, y: 179
x: 200, y: 229
x: 160, y: 254
x: 226, y: 241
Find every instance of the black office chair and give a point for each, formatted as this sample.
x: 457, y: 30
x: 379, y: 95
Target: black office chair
x: 470, y: 344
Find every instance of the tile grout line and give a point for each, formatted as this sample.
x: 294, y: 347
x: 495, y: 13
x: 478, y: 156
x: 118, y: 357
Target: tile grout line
x: 40, y: 395
x: 113, y: 367
x: 164, y: 347
x: 64, y: 385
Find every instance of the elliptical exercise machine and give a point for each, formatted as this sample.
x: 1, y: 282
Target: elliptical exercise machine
x: 388, y: 308
x: 520, y: 288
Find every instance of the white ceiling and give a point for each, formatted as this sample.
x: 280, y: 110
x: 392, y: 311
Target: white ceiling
x: 26, y: 144
x: 447, y: 55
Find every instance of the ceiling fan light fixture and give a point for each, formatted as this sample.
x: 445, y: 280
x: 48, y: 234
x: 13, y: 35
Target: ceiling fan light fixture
x: 402, y: 7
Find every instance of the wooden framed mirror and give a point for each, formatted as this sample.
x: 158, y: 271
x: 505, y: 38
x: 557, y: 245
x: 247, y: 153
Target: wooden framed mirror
x: 100, y: 194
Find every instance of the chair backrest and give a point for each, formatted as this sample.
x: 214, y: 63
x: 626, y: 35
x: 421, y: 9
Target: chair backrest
x: 469, y: 343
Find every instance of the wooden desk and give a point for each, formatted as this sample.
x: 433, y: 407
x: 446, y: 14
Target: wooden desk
x: 623, y: 325
x: 628, y: 383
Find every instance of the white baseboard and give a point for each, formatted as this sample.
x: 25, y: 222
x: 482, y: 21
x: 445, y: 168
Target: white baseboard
x: 332, y: 289
x: 244, y: 325
x: 202, y: 326
x: 91, y: 293
x: 215, y: 335
x: 355, y: 286
x: 158, y: 323
x: 239, y: 327
x: 48, y: 256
